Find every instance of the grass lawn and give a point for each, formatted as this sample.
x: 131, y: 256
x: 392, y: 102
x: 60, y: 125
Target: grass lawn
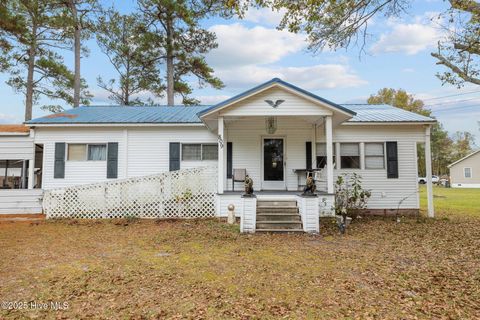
x: 415, y: 269
x: 453, y: 201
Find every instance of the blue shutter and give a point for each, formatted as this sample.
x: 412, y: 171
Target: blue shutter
x: 59, y: 164
x: 112, y: 160
x: 392, y: 160
x: 174, y: 163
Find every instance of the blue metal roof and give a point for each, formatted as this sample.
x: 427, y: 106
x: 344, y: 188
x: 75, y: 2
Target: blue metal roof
x: 123, y: 114
x: 268, y: 83
x: 384, y: 113
x: 191, y: 114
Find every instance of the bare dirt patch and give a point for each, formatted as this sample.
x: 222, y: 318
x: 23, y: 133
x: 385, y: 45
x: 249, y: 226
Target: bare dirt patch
x: 416, y: 269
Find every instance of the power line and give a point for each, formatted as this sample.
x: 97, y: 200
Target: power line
x: 450, y: 102
x: 457, y: 108
x: 452, y: 95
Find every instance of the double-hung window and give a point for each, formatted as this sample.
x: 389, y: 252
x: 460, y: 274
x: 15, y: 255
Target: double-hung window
x: 467, y: 172
x: 350, y: 155
x: 86, y: 152
x: 199, y: 152
x: 374, y: 156
x: 322, y: 155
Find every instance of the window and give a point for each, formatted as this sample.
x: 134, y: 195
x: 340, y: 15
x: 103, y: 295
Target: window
x: 191, y: 152
x: 322, y: 155
x: 198, y: 152
x: 467, y: 172
x: 97, y: 152
x: 209, y: 152
x: 350, y: 155
x: 374, y: 156
x: 77, y: 152
x: 90, y: 152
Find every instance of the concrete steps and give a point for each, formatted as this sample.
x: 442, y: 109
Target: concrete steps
x: 278, y: 216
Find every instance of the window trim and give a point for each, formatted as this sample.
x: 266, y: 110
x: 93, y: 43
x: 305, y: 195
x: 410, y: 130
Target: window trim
x: 67, y: 151
x: 334, y: 153
x: 383, y: 143
x: 471, y: 172
x: 201, y: 151
x: 339, y: 162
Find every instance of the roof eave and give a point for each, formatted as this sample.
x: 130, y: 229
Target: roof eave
x: 410, y: 122
x: 116, y: 124
x: 464, y: 158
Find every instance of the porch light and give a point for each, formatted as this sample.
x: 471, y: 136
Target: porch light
x: 271, y: 125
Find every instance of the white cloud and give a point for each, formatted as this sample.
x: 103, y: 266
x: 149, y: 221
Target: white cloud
x: 410, y: 38
x: 408, y: 70
x: 249, y: 56
x: 265, y: 16
x: 239, y: 45
x: 320, y: 76
x: 7, y: 118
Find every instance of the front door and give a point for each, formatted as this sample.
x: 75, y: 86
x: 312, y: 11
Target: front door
x: 273, y: 164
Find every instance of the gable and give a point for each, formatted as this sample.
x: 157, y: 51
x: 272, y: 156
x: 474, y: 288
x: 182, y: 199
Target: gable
x: 468, y: 160
x: 293, y: 104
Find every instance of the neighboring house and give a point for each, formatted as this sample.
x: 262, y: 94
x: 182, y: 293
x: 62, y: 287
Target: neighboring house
x: 275, y: 131
x: 465, y: 173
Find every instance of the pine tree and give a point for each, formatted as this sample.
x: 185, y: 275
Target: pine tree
x: 176, y: 25
x: 78, y: 17
x: 34, y: 31
x: 131, y: 51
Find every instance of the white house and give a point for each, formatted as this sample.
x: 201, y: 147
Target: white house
x: 275, y: 132
x: 465, y: 172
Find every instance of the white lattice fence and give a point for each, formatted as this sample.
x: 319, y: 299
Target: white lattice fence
x: 189, y: 193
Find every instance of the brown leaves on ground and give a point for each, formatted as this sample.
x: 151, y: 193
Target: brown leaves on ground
x: 415, y: 269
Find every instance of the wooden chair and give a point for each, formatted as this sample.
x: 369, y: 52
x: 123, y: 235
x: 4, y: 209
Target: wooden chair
x: 238, y: 175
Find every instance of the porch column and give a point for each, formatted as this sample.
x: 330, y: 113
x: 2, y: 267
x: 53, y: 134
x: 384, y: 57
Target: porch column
x: 329, y: 143
x: 428, y: 168
x: 24, y: 174
x: 221, y: 143
x: 31, y: 171
x: 314, y: 146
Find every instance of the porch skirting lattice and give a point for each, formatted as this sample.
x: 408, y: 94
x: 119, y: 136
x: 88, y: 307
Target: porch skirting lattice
x: 186, y: 193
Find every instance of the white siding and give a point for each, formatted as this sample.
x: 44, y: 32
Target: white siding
x: 248, y: 218
x: 309, y: 211
x: 148, y: 148
x: 13, y: 147
x: 147, y: 151
x: 386, y: 193
x: 294, y: 105
x: 78, y: 172
x: 20, y: 201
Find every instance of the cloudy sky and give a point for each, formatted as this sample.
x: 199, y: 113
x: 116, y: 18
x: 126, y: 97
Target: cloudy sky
x: 252, y: 51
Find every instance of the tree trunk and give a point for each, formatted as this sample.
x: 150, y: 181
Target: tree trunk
x: 77, y: 46
x: 31, y: 69
x: 170, y: 56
